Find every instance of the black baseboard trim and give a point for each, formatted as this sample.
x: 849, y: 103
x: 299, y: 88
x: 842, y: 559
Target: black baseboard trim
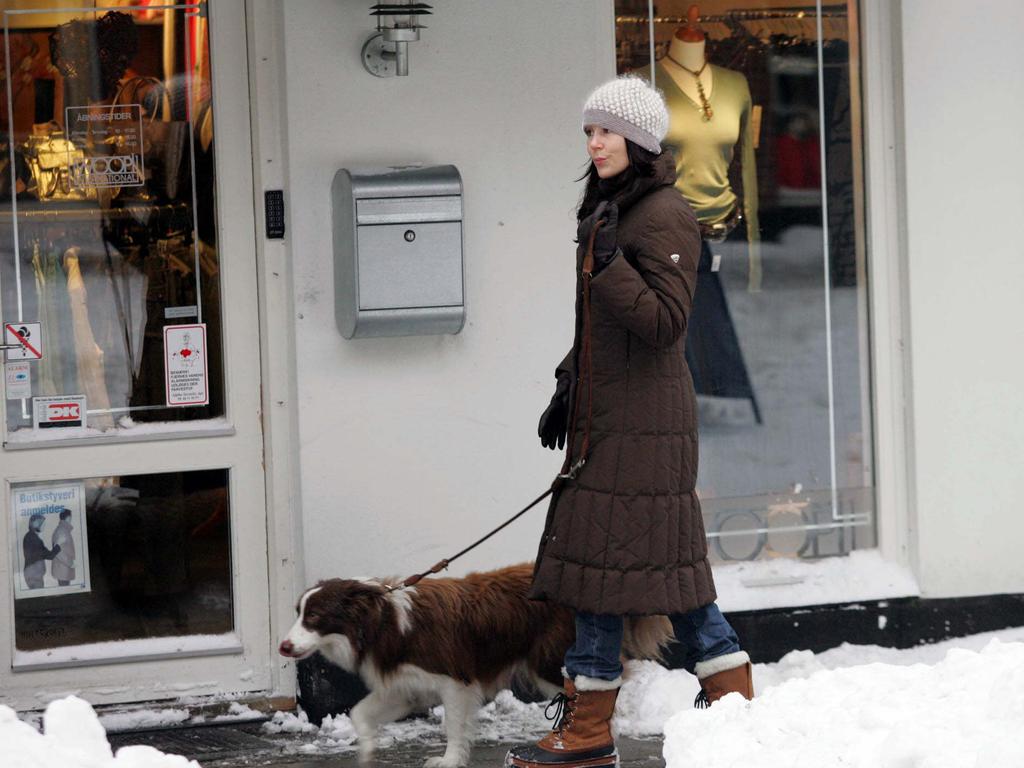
x: 767, y: 636
x: 899, y: 623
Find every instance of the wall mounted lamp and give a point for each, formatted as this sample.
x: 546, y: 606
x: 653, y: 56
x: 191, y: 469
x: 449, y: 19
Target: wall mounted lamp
x: 386, y: 53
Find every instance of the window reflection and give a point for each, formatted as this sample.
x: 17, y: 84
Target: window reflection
x: 121, y: 558
x: 764, y: 124
x: 108, y: 232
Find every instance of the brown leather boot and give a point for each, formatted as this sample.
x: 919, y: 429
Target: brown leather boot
x: 731, y: 673
x: 582, y: 736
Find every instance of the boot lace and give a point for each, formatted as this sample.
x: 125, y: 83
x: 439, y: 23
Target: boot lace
x: 563, y: 711
x: 701, y: 702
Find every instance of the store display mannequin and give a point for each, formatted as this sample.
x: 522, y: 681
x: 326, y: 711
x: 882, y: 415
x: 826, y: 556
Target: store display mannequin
x: 710, y: 113
x: 711, y: 116
x: 687, y: 48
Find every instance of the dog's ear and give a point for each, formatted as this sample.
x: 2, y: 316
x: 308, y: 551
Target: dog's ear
x: 364, y: 618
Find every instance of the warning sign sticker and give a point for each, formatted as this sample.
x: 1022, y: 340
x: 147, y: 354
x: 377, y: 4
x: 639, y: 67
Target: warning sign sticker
x: 185, y: 364
x: 29, y: 340
x: 18, y: 382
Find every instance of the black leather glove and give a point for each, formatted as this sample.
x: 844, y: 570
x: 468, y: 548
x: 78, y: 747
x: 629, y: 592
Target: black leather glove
x: 605, y: 248
x: 555, y: 420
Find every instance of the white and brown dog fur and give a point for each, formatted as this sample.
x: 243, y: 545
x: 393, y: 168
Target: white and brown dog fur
x: 455, y: 642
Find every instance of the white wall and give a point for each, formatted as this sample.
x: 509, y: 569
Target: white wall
x: 962, y: 65
x: 412, y: 447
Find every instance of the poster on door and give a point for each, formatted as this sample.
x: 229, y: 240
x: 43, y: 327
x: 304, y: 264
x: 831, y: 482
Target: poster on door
x: 185, y: 364
x: 51, y: 544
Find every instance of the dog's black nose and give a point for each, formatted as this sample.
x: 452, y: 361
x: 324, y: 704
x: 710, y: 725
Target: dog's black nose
x: 286, y: 648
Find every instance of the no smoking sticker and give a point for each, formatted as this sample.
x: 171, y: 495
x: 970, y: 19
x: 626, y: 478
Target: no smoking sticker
x: 29, y: 340
x: 185, y: 364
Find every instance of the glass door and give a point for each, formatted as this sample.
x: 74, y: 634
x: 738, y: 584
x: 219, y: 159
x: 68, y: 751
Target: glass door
x: 134, y: 525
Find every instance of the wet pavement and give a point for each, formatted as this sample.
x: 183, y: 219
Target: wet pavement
x: 241, y: 745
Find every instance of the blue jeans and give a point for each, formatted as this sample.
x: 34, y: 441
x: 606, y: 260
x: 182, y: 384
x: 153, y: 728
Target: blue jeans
x: 704, y: 634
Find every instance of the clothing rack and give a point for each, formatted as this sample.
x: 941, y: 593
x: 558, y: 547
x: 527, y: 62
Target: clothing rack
x: 795, y: 23
x: 833, y: 11
x: 67, y: 223
x: 88, y: 212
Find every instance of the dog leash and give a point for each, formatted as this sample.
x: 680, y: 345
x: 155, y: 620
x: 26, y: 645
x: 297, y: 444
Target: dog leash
x: 570, y: 469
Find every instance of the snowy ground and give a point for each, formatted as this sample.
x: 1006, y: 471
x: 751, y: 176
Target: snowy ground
x: 654, y: 696
x: 965, y: 711
x: 952, y: 704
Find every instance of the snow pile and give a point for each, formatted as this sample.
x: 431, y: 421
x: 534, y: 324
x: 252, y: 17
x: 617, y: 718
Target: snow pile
x: 286, y: 722
x: 335, y: 733
x: 508, y: 720
x: 338, y: 730
x: 238, y: 713
x: 650, y: 695
x: 140, y: 719
x: 962, y: 712
x: 73, y: 738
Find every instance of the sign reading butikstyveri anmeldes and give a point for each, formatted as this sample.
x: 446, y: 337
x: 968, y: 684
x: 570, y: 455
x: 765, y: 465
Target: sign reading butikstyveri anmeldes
x: 50, y: 540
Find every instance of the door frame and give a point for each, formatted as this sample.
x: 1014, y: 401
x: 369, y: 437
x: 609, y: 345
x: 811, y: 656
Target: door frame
x: 278, y: 368
x: 161, y: 672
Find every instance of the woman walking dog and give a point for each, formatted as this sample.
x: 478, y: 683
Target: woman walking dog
x: 624, y: 533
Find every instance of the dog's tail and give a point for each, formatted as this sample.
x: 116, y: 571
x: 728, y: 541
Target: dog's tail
x: 646, y: 637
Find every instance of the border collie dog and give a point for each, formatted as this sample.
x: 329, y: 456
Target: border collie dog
x: 455, y: 642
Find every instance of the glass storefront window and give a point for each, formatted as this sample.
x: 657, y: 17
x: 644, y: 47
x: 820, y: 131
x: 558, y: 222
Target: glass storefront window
x: 121, y: 558
x: 108, y: 256
x: 764, y: 103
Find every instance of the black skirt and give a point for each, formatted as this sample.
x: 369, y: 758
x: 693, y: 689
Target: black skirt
x: 712, y: 348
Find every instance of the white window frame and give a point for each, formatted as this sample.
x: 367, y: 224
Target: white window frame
x: 882, y: 252
x: 885, y: 188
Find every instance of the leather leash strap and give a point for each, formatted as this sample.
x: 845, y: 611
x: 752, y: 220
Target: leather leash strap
x: 569, y: 468
x: 584, y: 370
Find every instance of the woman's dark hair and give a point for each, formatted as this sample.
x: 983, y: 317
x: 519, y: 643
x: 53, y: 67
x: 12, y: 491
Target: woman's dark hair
x: 641, y: 166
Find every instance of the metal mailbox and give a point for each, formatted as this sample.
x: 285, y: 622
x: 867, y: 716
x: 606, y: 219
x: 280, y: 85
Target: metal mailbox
x: 398, y: 265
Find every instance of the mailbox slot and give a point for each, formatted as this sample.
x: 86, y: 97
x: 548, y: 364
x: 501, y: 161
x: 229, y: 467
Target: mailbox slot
x: 410, y: 265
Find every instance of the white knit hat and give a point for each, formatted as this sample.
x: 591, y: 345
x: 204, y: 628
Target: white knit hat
x: 630, y: 107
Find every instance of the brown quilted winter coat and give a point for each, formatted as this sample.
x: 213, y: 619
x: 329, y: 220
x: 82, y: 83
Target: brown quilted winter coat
x: 626, y: 536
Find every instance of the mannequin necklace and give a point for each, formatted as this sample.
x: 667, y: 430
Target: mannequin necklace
x: 705, y: 106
